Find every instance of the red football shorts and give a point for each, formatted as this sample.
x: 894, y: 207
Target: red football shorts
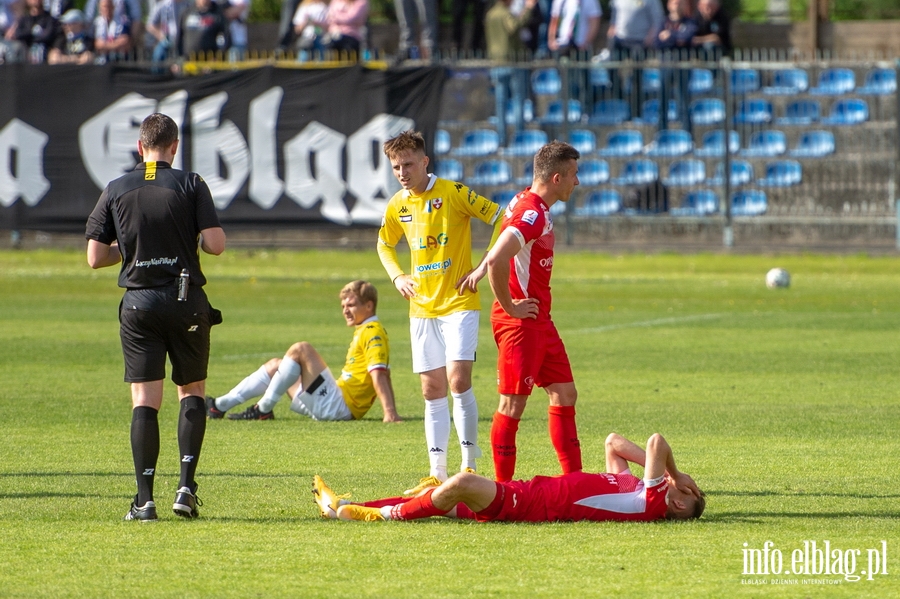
x: 529, y: 356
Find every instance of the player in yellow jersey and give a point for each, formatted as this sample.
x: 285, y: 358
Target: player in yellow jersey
x: 305, y: 376
x: 444, y: 306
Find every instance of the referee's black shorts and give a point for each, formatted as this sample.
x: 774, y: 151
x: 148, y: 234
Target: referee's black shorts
x: 180, y: 332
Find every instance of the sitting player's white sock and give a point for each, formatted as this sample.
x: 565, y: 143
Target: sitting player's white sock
x: 252, y: 386
x: 287, y: 374
x: 465, y: 419
x: 437, y: 435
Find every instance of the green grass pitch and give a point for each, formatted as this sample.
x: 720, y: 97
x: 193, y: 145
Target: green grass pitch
x: 783, y: 404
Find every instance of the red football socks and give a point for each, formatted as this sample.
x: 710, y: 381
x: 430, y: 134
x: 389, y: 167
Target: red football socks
x: 503, y: 446
x: 564, y: 436
x: 417, y: 507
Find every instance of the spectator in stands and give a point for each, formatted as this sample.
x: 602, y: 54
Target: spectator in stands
x: 36, y: 30
x: 202, y: 29
x: 458, y: 11
x: 534, y: 32
x: 713, y: 37
x: 285, y: 26
x: 309, y: 27
x: 127, y: 10
x: 421, y: 15
x: 633, y: 28
x: 77, y: 45
x: 347, y: 25
x: 237, y: 12
x: 504, y: 44
x: 674, y: 40
x: 574, y: 25
x: 112, y: 34
x: 57, y: 8
x: 10, y: 49
x: 163, y: 26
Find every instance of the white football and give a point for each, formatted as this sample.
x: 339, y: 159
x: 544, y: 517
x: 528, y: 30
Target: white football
x: 778, y: 277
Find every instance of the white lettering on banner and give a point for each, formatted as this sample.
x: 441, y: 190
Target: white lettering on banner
x: 211, y: 141
x: 108, y: 140
x: 369, y: 174
x: 313, y: 171
x: 265, y: 186
x: 27, y: 179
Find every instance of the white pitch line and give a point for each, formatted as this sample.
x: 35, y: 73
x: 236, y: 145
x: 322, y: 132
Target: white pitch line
x: 652, y: 323
x: 236, y: 357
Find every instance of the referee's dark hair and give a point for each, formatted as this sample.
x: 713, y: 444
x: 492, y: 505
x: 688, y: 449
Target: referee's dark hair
x: 158, y: 131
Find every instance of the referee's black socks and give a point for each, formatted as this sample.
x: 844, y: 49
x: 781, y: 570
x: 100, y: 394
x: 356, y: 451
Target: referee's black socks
x: 144, y: 450
x: 191, y: 429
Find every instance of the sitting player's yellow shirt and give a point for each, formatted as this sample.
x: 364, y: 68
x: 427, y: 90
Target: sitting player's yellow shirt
x: 437, y: 226
x: 368, y: 351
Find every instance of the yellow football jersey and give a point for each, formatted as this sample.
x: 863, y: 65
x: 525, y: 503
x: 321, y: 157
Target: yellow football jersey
x: 368, y: 351
x: 438, y: 229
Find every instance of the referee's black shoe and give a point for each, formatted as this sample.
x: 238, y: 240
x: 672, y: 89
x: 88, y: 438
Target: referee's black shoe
x: 186, y: 502
x: 144, y: 513
x: 252, y: 413
x: 212, y: 412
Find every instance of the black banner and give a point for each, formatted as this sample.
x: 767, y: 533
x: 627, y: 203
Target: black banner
x: 276, y: 145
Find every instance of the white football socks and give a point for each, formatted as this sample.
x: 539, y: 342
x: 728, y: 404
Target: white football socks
x: 287, y: 374
x: 465, y: 419
x: 437, y: 435
x: 252, y: 386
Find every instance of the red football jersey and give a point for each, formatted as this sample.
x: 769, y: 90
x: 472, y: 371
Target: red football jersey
x: 529, y: 218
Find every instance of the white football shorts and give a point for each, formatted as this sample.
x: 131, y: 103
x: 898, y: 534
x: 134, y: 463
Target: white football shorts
x: 436, y: 341
x: 322, y: 400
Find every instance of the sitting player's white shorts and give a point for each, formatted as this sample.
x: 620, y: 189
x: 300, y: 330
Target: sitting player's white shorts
x: 322, y: 400
x: 436, y: 341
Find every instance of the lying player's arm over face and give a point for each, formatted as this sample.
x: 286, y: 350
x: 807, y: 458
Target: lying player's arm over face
x: 507, y: 246
x: 620, y: 452
x: 381, y: 379
x: 661, y: 461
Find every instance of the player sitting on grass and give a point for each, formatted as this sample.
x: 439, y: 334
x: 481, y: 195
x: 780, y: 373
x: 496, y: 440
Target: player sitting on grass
x: 664, y: 492
x: 305, y: 375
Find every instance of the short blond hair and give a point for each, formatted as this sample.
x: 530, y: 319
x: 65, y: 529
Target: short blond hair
x: 363, y: 290
x: 408, y: 140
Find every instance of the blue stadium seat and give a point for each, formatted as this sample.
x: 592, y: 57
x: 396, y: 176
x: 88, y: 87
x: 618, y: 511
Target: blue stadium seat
x: 601, y: 202
x: 583, y: 140
x: 449, y: 168
x: 879, y: 82
x: 559, y: 208
x: 527, y: 175
x: 527, y: 113
x: 834, y: 82
x: 814, y: 144
x: 546, y: 82
x: 625, y: 142
x: 744, y: 81
x: 441, y: 142
x: 707, y: 111
x: 638, y: 172
x: 770, y: 142
x: 650, y: 112
x: 670, y: 142
x: 713, y: 143
x: 593, y: 172
x: 748, y: 202
x: 503, y: 197
x: 684, y: 173
x: 741, y: 173
x: 526, y: 142
x: 491, y: 172
x: 478, y: 142
x: 847, y: 111
x: 651, y: 80
x: 554, y: 113
x: 754, y: 111
x: 699, y: 202
x: 800, y: 112
x: 782, y: 173
x: 599, y: 77
x: 610, y: 112
x: 788, y: 82
x: 701, y: 81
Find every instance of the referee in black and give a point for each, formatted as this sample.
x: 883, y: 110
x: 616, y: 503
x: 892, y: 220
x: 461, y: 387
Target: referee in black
x: 152, y: 220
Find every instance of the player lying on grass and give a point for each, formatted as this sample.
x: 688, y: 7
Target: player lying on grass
x: 664, y: 492
x: 304, y: 374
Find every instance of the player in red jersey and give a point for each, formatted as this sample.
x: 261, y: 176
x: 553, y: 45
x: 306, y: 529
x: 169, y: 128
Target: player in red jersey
x: 530, y: 351
x: 664, y: 492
